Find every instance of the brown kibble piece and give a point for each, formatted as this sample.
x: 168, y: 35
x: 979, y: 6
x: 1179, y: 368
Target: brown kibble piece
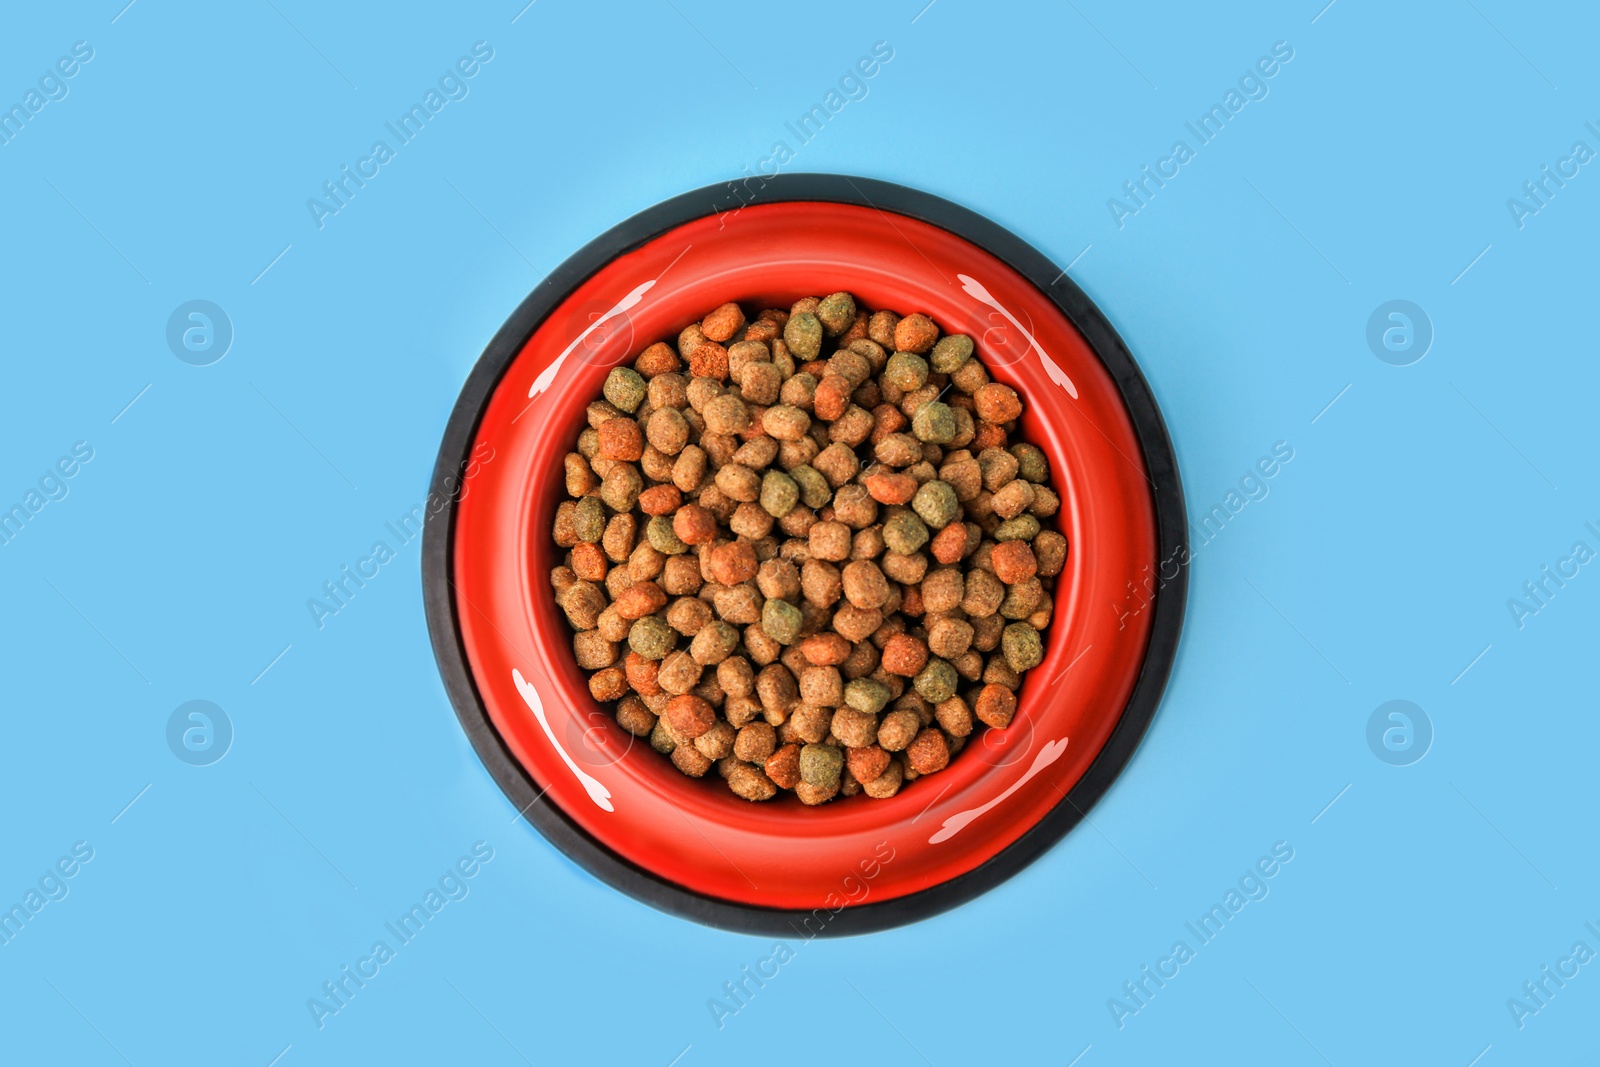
x: 583, y: 604
x: 717, y: 742
x: 608, y: 684
x: 830, y: 541
x: 751, y: 783
x: 897, y: 729
x: 984, y: 593
x: 857, y: 623
x: 634, y: 716
x: 1050, y: 549
x: 755, y: 742
x: 728, y: 414
x: 690, y: 761
x: 886, y: 784
x: 678, y: 673
x: 592, y: 651
x: 1012, y: 499
x: 680, y: 575
x: 949, y: 636
x: 954, y: 717
x: 812, y: 795
x: 864, y: 584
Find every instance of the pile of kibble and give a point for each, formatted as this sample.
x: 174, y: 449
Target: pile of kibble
x: 807, y: 549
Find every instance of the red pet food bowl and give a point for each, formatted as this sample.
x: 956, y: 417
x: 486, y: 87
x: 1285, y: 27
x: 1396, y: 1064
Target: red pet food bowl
x: 691, y: 847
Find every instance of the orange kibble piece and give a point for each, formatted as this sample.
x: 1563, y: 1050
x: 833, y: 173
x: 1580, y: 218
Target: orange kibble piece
x: 660, y: 500
x: 995, y: 706
x: 949, y: 543
x: 988, y: 435
x: 722, y: 323
x: 658, y: 359
x: 621, y: 439
x: 733, y: 562
x: 589, y: 561
x: 891, y: 487
x: 689, y: 715
x: 997, y: 403
x: 905, y: 656
x: 709, y: 360
x: 866, y: 764
x: 694, y: 525
x: 783, y: 766
x: 826, y: 649
x: 640, y: 599
x: 641, y: 674
x: 1013, y: 561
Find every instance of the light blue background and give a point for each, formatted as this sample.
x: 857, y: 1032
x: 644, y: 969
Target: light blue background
x: 1378, y: 567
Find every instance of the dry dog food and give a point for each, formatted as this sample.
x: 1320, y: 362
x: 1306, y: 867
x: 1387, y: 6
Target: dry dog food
x: 807, y: 549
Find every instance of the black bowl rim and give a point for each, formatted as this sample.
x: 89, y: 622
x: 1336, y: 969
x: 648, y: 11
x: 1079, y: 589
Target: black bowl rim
x: 641, y: 884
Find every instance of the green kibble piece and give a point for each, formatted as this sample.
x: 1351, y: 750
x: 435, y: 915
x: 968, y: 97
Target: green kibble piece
x: 1021, y: 647
x: 950, y: 352
x: 1031, y: 464
x: 589, y: 519
x: 820, y: 765
x: 866, y: 695
x: 779, y: 494
x: 651, y: 637
x: 781, y: 621
x: 625, y: 389
x: 936, y: 504
x: 803, y: 334
x: 1021, y: 528
x: 906, y: 371
x: 837, y: 313
x: 905, y: 533
x: 662, y: 537
x: 814, y: 488
x: 937, y: 682
x: 660, y: 740
x: 934, y: 423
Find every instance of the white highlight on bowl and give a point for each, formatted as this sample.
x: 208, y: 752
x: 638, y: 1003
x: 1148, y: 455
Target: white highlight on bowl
x: 973, y: 288
x: 548, y: 375
x: 958, y: 822
x: 530, y: 696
